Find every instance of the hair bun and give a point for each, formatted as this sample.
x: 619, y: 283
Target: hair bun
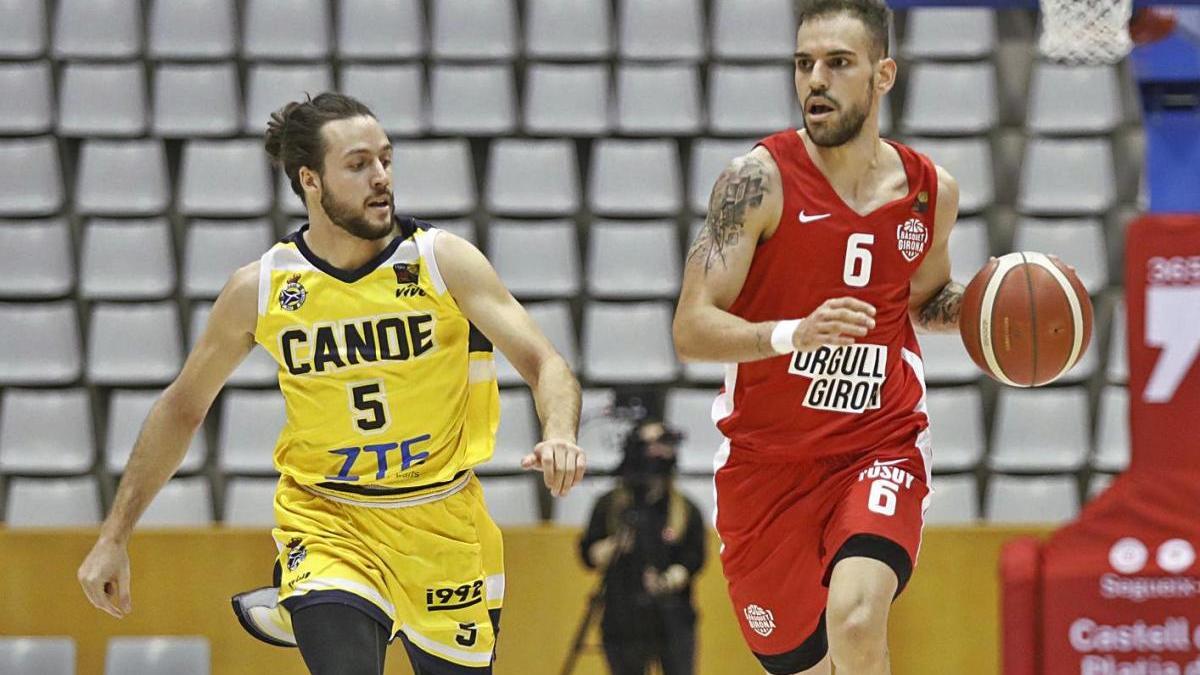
x: 277, y: 130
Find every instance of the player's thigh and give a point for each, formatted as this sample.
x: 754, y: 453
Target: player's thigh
x: 491, y: 543
x: 328, y: 555
x: 769, y: 521
x: 338, y: 639
x: 448, y: 581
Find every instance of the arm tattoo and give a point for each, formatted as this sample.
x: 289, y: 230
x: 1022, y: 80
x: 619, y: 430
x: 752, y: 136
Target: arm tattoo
x: 941, y: 312
x: 740, y: 187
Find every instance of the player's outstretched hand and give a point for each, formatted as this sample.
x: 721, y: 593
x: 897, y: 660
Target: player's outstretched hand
x: 838, y: 321
x: 104, y: 576
x: 562, y: 464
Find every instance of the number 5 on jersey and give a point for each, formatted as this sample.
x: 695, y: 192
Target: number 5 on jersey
x: 368, y: 406
x: 857, y: 271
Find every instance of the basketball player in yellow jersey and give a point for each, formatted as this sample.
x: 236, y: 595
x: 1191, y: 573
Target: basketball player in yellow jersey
x: 382, y: 327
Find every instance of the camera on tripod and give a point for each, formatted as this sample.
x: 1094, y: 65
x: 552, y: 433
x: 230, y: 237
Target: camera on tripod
x: 647, y: 541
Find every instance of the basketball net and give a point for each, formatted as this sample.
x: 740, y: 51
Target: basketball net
x: 1086, y: 32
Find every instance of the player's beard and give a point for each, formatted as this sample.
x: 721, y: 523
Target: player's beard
x: 848, y: 127
x: 353, y: 219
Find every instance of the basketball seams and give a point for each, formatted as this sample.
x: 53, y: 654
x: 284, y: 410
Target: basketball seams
x: 1034, y: 335
x: 1041, y: 260
x: 1005, y: 265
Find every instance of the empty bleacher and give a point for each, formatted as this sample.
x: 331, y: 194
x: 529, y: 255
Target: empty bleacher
x: 575, y: 142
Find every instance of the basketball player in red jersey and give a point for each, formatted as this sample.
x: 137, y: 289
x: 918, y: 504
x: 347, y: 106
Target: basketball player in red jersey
x: 822, y: 251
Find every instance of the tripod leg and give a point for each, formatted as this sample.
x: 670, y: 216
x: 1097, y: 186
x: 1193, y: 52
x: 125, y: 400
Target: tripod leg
x: 589, y: 613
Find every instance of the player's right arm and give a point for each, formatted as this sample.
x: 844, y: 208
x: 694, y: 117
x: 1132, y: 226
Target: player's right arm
x: 743, y: 211
x: 166, y: 434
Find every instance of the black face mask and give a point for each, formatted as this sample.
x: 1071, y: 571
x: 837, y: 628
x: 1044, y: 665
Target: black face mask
x: 639, y: 466
x: 643, y: 476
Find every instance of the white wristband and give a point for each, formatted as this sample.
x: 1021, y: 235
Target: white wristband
x: 781, y: 336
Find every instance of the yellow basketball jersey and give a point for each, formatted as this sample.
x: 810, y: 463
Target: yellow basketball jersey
x: 389, y: 390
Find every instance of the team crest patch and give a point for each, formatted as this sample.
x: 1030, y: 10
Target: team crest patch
x: 911, y: 238
x: 762, y: 621
x: 293, y: 295
x: 407, y: 273
x: 296, y: 554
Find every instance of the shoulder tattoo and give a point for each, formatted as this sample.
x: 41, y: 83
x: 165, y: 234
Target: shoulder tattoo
x: 740, y: 187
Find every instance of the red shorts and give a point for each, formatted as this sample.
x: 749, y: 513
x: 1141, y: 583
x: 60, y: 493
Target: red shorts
x: 784, y: 526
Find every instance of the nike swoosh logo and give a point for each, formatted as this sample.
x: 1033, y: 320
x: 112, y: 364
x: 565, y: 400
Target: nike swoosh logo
x: 808, y: 219
x: 891, y: 463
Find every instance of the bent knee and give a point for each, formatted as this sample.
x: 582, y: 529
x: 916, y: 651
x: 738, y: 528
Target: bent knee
x: 858, y: 616
x: 860, y: 596
x: 860, y: 624
x: 858, y: 635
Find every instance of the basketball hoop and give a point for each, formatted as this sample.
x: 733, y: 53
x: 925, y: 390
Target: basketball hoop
x: 1086, y: 32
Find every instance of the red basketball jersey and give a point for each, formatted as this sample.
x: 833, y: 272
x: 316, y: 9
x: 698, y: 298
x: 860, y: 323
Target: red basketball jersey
x: 840, y: 399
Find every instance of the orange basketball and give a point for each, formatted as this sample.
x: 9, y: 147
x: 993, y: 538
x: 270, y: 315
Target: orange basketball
x: 1026, y: 319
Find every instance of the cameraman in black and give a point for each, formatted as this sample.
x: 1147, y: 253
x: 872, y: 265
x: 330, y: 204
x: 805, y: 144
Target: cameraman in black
x: 647, y: 539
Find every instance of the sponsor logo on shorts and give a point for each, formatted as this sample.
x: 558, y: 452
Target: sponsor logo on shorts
x: 761, y: 621
x: 448, y: 598
x: 887, y: 471
x: 887, y: 480
x: 845, y: 379
x: 296, y: 554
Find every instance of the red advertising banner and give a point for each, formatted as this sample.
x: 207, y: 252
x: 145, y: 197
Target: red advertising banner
x: 1119, y: 589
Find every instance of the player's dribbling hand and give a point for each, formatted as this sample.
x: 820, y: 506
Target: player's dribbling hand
x: 836, y: 322
x: 104, y: 576
x: 561, y: 462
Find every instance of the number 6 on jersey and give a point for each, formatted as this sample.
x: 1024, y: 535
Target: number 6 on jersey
x: 857, y: 272
x: 882, y: 499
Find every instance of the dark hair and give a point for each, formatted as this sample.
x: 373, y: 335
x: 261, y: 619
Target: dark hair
x: 874, y: 14
x: 294, y: 132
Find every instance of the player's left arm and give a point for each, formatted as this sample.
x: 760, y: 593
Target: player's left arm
x: 488, y: 305
x: 934, y: 300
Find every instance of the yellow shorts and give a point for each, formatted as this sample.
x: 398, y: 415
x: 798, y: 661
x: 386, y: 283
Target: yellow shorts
x: 430, y: 569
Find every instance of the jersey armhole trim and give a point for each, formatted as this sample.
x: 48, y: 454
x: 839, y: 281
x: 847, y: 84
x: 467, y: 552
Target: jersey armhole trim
x: 264, y: 281
x: 930, y: 166
x: 425, y: 246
